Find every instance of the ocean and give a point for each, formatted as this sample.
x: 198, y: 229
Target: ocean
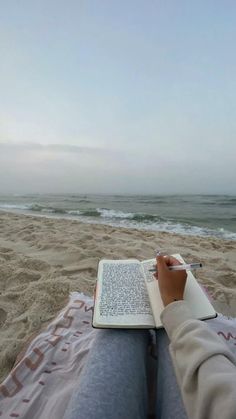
x: 202, y: 215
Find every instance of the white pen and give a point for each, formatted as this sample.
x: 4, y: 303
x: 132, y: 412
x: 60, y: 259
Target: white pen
x: 184, y: 267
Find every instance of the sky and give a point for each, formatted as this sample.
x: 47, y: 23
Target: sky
x: 128, y: 96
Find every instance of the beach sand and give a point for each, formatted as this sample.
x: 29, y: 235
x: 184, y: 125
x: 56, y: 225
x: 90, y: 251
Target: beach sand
x: 43, y: 259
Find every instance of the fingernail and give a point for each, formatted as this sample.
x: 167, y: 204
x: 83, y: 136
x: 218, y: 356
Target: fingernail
x: 160, y: 253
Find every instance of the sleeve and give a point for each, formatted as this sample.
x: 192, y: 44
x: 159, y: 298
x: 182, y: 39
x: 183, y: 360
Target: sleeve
x: 205, y: 368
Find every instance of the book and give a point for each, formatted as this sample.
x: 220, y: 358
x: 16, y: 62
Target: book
x: 127, y: 295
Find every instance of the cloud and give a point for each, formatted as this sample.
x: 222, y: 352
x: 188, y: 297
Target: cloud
x: 34, y: 167
x: 11, y: 147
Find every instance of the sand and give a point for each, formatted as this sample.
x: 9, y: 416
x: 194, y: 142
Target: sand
x: 43, y: 259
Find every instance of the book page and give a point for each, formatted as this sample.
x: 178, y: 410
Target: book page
x: 201, y: 307
x: 121, y: 296
x: 153, y: 290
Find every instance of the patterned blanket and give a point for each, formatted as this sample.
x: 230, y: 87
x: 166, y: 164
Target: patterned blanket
x: 41, y: 384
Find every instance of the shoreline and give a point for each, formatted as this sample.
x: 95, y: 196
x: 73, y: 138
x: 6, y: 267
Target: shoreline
x: 111, y: 224
x: 42, y: 259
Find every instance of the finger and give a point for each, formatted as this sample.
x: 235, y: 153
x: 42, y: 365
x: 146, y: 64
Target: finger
x: 161, y: 264
x: 171, y: 261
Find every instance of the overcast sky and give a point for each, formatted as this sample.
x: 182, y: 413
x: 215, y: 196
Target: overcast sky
x: 127, y: 96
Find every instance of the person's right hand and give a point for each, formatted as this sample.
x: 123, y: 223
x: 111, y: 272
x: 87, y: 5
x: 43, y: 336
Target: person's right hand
x: 171, y: 283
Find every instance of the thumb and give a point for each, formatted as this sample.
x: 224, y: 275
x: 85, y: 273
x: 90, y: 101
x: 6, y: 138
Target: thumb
x: 161, y: 264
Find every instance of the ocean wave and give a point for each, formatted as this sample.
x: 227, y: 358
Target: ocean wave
x: 146, y: 217
x: 110, y: 213
x: 13, y: 206
x: 74, y: 212
x: 33, y: 208
x: 79, y: 201
x: 152, y: 201
x: 50, y: 210
x: 219, y: 202
x: 36, y: 207
x: 174, y: 228
x: 230, y: 203
x: 90, y: 213
x: 55, y: 210
x: 142, y: 221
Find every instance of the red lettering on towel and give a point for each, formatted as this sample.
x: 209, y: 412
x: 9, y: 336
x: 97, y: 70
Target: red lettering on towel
x: 42, y: 383
x: 88, y: 308
x: 69, y: 319
x: 33, y: 365
x: 18, y: 385
x: 29, y: 364
x: 81, y: 303
x: 27, y: 361
x: 228, y: 336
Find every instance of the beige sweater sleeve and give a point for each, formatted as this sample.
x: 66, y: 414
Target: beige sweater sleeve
x: 205, y: 368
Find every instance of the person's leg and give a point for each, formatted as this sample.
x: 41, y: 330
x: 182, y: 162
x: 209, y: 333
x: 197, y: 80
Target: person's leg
x: 113, y: 383
x: 169, y: 404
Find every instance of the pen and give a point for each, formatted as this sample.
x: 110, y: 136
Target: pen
x: 185, y: 267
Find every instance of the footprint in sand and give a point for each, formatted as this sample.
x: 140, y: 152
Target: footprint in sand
x: 34, y: 264
x: 24, y: 275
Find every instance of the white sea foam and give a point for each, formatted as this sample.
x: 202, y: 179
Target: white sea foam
x: 74, y: 212
x: 108, y: 213
x: 169, y: 227
x: 14, y: 206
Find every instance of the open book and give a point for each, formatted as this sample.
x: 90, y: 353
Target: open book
x: 127, y: 295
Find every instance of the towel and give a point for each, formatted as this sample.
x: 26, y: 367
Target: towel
x: 41, y: 384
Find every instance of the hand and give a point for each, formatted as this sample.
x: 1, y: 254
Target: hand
x: 171, y: 283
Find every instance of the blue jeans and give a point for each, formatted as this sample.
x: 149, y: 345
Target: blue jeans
x: 114, y: 382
